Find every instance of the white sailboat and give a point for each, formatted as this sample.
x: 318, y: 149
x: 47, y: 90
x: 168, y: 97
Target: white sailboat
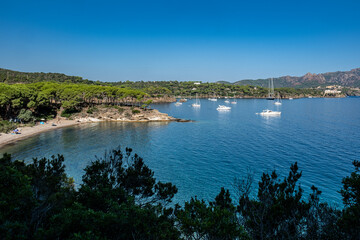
x: 213, y: 99
x: 271, y: 90
x: 227, y: 100
x: 197, y: 102
x: 278, y: 101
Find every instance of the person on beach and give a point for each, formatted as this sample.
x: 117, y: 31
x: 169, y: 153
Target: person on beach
x: 17, y: 131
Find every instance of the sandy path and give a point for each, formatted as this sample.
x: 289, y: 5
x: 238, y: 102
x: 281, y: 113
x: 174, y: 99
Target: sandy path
x: 30, y: 131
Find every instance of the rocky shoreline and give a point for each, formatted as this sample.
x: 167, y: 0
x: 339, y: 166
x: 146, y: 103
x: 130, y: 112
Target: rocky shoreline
x: 122, y: 114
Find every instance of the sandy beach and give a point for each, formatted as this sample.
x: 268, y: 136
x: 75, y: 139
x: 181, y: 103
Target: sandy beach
x: 6, y: 138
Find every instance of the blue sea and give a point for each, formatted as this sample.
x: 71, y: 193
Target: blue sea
x: 200, y: 157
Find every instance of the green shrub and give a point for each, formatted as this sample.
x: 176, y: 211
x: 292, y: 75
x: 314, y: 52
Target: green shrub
x: 25, y: 115
x: 6, y: 126
x: 91, y: 110
x: 135, y: 111
x: 65, y: 114
x: 68, y: 112
x: 121, y: 110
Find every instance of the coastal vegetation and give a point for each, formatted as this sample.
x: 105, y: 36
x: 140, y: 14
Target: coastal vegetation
x: 9, y: 76
x: 26, y: 102
x: 205, y: 90
x: 119, y: 198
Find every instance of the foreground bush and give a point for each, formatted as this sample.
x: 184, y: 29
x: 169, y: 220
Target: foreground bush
x: 119, y: 198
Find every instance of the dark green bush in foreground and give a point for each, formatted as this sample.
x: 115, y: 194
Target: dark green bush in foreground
x: 120, y: 199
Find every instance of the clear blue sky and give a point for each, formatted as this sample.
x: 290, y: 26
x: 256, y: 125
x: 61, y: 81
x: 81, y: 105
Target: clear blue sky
x: 180, y: 40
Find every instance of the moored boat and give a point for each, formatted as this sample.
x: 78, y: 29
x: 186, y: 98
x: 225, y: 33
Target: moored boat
x: 223, y: 107
x: 268, y: 112
x: 197, y: 102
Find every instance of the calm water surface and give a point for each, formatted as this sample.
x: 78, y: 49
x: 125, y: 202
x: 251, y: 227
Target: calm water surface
x: 322, y: 135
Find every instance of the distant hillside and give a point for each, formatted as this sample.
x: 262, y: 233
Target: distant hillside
x: 9, y: 76
x: 346, y: 78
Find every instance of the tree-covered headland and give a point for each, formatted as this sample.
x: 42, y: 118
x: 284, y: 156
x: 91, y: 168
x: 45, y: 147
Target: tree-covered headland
x: 27, y: 102
x: 119, y: 198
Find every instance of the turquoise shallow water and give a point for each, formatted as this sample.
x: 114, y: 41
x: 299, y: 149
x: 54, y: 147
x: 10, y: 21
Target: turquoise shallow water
x: 322, y: 135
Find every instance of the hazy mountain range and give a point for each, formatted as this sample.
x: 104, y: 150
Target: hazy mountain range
x: 344, y: 78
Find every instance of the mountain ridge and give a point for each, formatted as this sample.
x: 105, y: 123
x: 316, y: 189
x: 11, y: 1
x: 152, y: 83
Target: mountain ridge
x: 343, y: 78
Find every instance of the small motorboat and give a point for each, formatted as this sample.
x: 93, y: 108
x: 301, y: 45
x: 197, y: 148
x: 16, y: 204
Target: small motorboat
x: 222, y: 108
x: 227, y: 101
x: 268, y: 112
x: 178, y: 104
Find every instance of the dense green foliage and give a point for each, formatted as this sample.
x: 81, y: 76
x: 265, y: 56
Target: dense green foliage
x: 172, y: 88
x: 43, y: 99
x: 119, y: 198
x: 6, y: 126
x: 176, y: 88
x: 9, y: 76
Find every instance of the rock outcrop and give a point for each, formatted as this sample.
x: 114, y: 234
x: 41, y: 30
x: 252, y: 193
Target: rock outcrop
x: 123, y: 114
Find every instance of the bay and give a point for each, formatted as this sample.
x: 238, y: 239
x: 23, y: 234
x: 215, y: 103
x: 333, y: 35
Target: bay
x: 321, y: 134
